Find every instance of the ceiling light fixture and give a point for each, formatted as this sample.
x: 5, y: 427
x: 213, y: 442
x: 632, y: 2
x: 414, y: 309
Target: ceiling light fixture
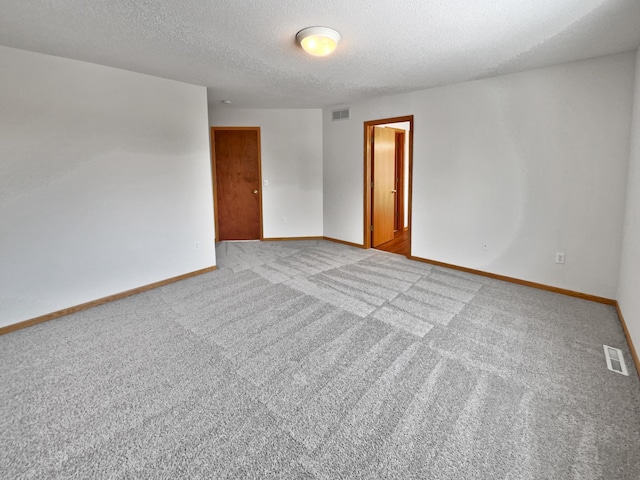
x: 318, y: 41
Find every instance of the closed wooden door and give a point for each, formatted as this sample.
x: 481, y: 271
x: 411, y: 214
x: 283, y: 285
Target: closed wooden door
x: 237, y: 183
x: 383, y: 174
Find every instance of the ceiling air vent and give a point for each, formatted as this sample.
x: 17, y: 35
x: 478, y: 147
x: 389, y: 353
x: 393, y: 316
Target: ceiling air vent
x: 615, y: 360
x: 340, y: 114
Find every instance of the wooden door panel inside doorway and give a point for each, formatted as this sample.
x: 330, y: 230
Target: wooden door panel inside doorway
x: 400, y: 180
x: 384, y: 189
x: 237, y: 170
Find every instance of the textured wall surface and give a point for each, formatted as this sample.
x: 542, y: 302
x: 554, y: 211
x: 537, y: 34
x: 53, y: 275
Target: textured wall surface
x: 104, y: 182
x: 534, y: 163
x: 291, y: 142
x: 629, y: 285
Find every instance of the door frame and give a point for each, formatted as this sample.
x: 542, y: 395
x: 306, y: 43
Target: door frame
x: 212, y: 142
x: 368, y: 139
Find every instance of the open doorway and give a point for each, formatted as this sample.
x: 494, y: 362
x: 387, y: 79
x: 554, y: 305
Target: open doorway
x: 388, y: 153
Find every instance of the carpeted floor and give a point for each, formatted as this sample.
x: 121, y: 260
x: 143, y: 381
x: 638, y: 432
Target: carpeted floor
x: 314, y: 360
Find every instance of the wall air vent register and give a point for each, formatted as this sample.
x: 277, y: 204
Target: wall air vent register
x: 342, y: 114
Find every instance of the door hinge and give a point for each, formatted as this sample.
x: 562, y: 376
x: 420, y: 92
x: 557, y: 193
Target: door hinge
x: 371, y: 228
x: 371, y: 184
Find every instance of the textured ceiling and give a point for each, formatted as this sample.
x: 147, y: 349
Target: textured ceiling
x: 245, y: 50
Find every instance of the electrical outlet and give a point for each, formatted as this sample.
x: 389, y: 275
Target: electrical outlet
x: 485, y: 245
x: 559, y: 257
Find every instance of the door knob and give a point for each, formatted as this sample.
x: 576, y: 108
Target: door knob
x: 393, y: 191
x: 255, y: 191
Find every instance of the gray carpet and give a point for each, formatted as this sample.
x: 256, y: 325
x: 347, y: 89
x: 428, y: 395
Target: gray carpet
x: 314, y: 360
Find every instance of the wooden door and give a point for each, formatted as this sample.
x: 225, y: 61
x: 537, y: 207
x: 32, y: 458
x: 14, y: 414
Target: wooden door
x: 383, y: 175
x: 237, y: 183
x: 400, y: 180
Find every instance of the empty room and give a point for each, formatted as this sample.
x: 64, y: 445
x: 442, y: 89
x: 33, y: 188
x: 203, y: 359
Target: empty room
x: 305, y: 240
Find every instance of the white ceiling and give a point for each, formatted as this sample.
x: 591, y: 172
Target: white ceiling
x: 245, y: 50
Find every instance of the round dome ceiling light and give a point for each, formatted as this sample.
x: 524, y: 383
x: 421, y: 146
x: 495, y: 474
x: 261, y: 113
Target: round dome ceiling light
x: 318, y: 41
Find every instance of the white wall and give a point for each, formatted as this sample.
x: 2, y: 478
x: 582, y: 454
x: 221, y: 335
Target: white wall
x: 534, y: 163
x: 291, y: 144
x: 104, y: 182
x: 629, y: 285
